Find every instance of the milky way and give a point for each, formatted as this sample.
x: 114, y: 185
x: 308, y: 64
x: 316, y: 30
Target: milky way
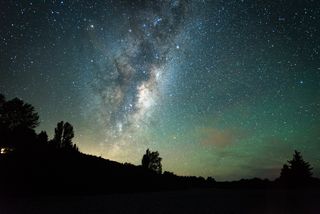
x: 152, y: 28
x: 227, y: 89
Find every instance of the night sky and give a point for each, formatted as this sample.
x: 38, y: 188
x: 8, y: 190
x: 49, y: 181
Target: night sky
x: 224, y: 88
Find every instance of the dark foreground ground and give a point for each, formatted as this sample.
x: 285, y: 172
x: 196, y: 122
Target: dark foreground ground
x: 188, y: 201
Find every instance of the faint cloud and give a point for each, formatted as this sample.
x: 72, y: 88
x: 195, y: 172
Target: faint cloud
x: 221, y: 137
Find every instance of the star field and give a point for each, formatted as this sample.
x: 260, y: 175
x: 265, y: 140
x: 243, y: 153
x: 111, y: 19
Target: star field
x: 220, y: 88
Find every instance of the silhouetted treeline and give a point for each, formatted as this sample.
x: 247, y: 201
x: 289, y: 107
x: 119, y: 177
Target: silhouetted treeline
x: 17, y: 135
x: 31, y: 163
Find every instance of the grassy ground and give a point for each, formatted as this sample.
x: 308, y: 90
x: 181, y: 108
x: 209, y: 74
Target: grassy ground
x: 189, y: 201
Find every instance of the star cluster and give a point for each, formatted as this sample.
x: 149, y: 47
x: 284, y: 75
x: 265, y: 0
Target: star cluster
x: 220, y: 88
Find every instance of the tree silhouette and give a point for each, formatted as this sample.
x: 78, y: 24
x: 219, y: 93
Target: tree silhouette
x: 43, y: 137
x: 152, y: 161
x: 68, y: 134
x: 63, y: 135
x: 299, y: 168
x: 17, y: 121
x: 297, y: 171
x: 15, y: 113
x: 2, y: 100
x: 58, y: 132
x: 285, y: 172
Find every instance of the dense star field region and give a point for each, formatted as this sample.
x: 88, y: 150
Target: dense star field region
x: 220, y: 88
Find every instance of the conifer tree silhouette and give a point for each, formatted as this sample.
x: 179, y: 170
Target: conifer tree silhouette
x: 297, y: 171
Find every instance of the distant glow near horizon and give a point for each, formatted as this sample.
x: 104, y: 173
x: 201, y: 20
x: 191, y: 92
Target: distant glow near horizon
x: 225, y: 89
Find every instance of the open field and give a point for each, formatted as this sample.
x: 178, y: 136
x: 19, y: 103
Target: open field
x: 189, y: 201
